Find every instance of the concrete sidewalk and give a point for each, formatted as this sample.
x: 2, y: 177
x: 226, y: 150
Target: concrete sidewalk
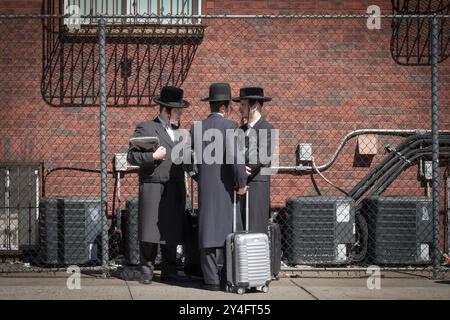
x: 323, y: 286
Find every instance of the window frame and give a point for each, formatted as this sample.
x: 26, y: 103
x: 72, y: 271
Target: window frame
x: 8, y: 193
x: 124, y: 8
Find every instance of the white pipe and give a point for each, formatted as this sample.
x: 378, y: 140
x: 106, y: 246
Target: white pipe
x: 8, y: 217
x: 352, y: 134
x: 36, y: 178
x: 36, y: 224
x: 119, y: 202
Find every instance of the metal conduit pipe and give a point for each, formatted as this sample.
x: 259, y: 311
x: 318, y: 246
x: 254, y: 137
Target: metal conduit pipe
x: 369, y: 180
x: 394, y: 172
x: 349, y: 136
x: 51, y: 170
x: 361, y: 220
x: 378, y: 171
x: 386, y: 181
x: 383, y: 162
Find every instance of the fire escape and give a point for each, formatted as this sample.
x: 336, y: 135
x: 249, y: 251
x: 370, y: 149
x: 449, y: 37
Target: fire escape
x: 142, y: 55
x: 410, y: 41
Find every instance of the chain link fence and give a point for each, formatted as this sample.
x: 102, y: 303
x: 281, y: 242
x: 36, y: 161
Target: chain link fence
x: 363, y: 176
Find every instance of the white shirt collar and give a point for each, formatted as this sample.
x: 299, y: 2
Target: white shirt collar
x: 252, y: 124
x: 221, y: 114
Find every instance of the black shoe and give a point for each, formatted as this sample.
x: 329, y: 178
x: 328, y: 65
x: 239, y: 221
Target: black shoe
x: 211, y: 287
x: 173, y: 278
x: 223, y: 284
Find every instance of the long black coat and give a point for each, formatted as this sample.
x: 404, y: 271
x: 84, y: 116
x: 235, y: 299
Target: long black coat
x: 216, y: 184
x: 162, y: 192
x: 259, y: 184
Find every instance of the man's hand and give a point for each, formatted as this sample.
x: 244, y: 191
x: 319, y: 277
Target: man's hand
x: 159, y: 154
x: 242, y: 191
x: 248, y: 171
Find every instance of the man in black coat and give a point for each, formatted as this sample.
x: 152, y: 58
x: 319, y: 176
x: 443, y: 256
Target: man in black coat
x: 217, y: 180
x: 258, y: 151
x: 162, y: 192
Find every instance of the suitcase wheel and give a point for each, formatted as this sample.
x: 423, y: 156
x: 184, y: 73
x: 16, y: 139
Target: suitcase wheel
x: 240, y: 290
x: 265, y: 289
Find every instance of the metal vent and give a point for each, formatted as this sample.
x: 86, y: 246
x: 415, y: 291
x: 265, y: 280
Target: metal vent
x: 70, y: 230
x: 399, y: 229
x: 321, y: 228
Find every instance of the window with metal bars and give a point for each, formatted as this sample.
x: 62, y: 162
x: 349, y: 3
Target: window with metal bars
x: 19, y: 202
x: 159, y: 11
x: 411, y: 40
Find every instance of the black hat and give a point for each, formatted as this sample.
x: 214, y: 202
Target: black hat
x: 253, y: 93
x: 171, y: 97
x: 219, y: 92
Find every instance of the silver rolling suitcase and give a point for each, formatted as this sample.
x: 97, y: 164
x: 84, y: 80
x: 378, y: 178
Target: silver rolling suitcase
x: 247, y: 258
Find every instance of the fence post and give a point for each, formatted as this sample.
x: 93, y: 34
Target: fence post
x: 103, y: 145
x: 435, y: 140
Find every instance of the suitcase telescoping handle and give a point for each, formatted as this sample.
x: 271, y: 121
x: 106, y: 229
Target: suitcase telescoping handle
x: 192, y: 194
x: 246, y: 211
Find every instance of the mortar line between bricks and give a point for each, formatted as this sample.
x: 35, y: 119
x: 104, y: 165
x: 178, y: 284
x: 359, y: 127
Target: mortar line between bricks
x: 297, y: 285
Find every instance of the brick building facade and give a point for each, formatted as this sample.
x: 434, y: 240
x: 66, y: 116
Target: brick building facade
x: 327, y: 77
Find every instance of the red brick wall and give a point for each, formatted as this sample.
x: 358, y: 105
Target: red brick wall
x: 20, y: 6
x: 326, y: 77
x: 289, y: 7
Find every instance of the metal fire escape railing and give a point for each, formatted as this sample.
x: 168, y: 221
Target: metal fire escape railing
x: 410, y: 41
x: 142, y: 55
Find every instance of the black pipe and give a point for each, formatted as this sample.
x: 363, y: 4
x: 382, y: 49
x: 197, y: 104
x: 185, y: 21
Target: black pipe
x: 378, y: 189
x: 362, y: 237
x: 420, y: 152
x: 398, y: 168
x: 378, y: 171
x: 49, y: 171
x: 389, y: 176
x: 386, y: 164
x: 384, y: 184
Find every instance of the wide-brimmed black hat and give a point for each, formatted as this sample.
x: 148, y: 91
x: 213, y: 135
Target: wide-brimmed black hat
x: 219, y: 92
x: 253, y: 93
x: 171, y: 97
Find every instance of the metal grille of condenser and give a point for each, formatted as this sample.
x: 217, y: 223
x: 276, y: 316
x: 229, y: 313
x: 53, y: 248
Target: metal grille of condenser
x: 321, y: 229
x: 131, y: 232
x: 70, y: 230
x: 48, y: 231
x: 400, y: 230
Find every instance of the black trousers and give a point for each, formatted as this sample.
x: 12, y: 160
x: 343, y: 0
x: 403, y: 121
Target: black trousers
x: 149, y: 252
x: 212, y: 261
